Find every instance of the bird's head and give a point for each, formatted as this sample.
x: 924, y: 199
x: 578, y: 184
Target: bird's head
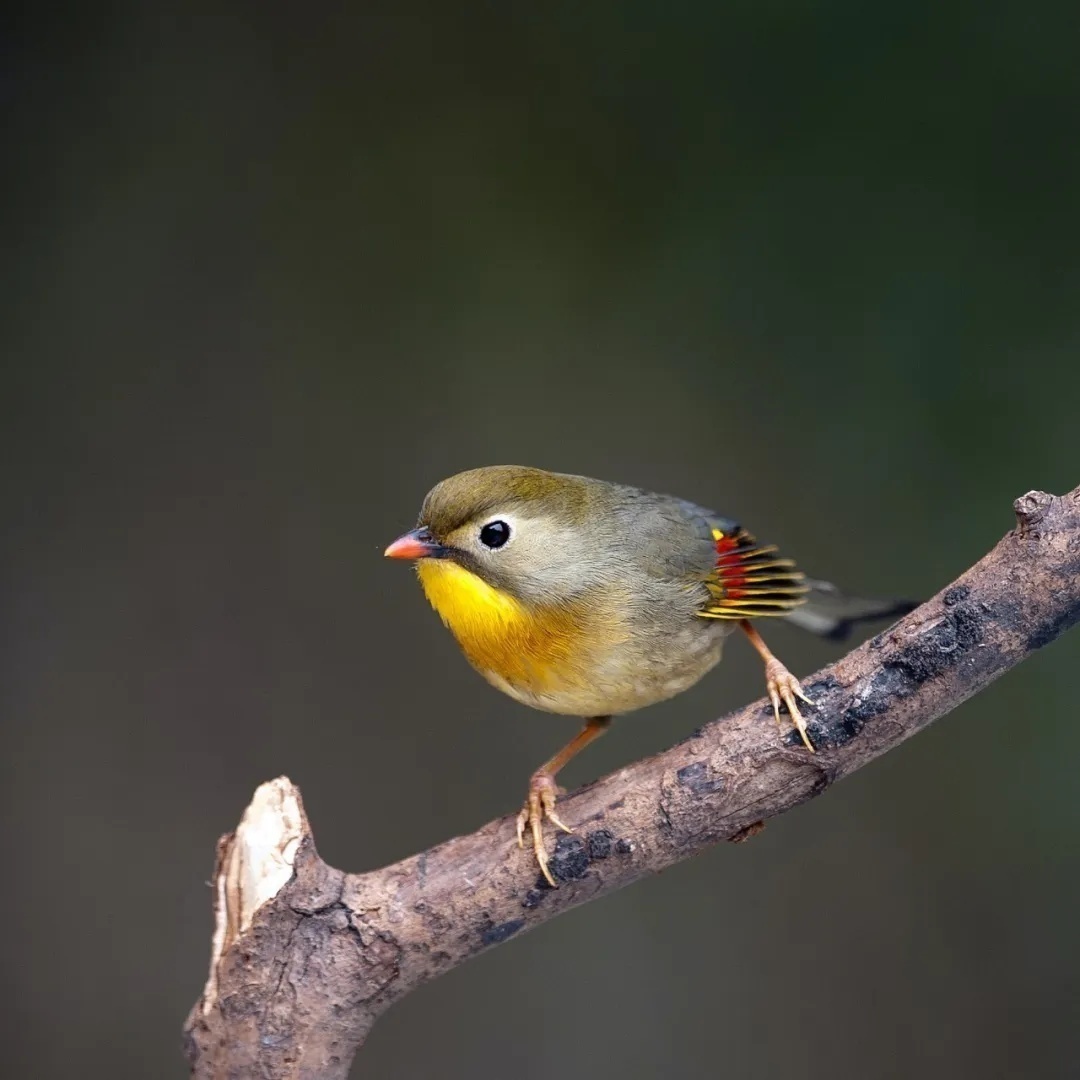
x: 532, y: 536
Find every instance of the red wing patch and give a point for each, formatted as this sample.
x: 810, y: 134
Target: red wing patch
x: 750, y: 580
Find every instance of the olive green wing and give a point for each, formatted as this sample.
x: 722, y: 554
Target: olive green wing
x: 678, y: 539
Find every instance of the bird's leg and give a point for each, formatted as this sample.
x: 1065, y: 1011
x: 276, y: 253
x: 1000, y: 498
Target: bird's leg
x: 780, y: 683
x: 543, y: 790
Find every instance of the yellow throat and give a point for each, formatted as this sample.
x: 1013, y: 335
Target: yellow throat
x: 497, y: 633
x: 469, y: 606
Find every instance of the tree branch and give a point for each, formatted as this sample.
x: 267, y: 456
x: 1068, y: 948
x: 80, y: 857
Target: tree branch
x: 306, y: 957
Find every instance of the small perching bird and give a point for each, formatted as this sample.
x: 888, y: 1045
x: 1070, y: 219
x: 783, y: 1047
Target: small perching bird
x: 591, y: 599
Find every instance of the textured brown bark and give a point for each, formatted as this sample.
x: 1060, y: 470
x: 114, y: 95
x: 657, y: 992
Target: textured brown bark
x: 297, y: 982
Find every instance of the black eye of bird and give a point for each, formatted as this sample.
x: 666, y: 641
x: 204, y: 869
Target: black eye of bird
x: 494, y: 534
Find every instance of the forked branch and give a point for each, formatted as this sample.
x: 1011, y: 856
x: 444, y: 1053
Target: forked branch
x: 305, y: 957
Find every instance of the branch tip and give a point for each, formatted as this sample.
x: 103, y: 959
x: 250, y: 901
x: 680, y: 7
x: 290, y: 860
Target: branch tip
x: 1031, y: 508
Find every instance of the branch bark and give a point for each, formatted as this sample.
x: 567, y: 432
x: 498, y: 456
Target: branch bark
x: 305, y: 957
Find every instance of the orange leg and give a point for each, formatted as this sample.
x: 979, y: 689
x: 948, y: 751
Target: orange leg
x: 781, y: 684
x: 543, y: 790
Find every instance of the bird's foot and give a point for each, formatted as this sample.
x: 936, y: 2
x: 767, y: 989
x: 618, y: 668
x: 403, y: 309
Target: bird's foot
x: 784, y: 687
x: 540, y: 804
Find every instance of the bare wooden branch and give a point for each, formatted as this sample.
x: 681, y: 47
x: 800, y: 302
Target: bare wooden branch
x: 306, y: 957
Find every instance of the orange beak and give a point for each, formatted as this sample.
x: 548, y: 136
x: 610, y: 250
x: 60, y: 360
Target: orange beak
x: 418, y: 544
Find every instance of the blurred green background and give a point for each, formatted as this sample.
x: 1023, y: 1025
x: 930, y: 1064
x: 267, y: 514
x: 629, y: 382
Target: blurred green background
x: 270, y: 274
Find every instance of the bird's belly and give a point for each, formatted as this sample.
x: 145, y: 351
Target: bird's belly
x: 594, y: 658
x: 626, y: 678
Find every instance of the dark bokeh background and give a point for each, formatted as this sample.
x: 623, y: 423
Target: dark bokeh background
x: 271, y: 274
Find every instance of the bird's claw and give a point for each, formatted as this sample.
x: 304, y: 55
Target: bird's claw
x: 540, y: 804
x: 784, y: 688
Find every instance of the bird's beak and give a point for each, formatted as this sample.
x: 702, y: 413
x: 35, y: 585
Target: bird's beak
x: 418, y: 544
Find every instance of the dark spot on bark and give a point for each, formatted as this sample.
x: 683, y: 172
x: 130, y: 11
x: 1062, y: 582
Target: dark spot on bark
x: 696, y: 779
x: 825, y: 735
x: 1045, y: 634
x: 889, y: 682
x: 623, y: 847
x: 495, y: 934
x: 822, y: 686
x: 618, y: 804
x: 534, y: 896
x: 570, y: 860
x: 833, y: 736
x: 600, y: 844
x: 1007, y: 614
x: 877, y: 641
x: 793, y: 740
x: 954, y: 595
x: 943, y: 646
x: 918, y: 660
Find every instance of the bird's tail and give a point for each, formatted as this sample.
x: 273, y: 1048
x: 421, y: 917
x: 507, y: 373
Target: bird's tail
x: 832, y: 614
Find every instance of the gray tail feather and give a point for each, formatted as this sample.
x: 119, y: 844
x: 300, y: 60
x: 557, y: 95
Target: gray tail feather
x: 832, y: 614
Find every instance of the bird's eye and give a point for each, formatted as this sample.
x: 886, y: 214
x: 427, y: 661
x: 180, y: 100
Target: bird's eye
x: 494, y: 534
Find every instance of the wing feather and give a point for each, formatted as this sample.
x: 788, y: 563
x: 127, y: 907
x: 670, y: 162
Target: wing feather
x: 749, y: 580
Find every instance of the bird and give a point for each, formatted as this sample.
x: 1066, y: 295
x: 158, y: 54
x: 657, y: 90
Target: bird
x: 592, y: 599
